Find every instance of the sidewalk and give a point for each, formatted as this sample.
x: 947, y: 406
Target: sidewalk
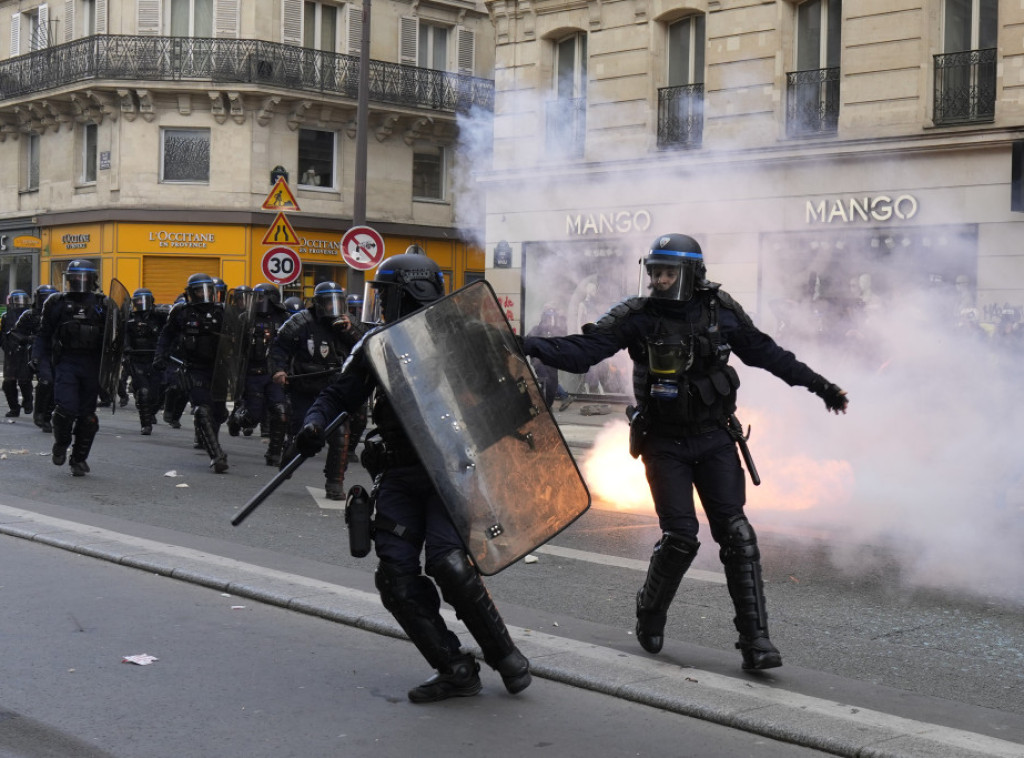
x: 749, y: 703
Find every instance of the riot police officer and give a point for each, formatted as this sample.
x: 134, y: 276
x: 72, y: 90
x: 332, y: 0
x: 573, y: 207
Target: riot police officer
x: 17, y: 371
x: 194, y: 327
x: 25, y: 332
x: 68, y: 350
x: 307, y: 353
x: 262, y: 398
x: 143, y: 325
x: 411, y: 516
x: 684, y: 428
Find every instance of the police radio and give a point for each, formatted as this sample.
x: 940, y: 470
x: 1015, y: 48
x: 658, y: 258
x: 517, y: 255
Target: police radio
x: 358, y: 518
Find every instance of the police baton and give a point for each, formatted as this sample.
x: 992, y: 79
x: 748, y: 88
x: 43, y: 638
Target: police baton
x: 285, y: 473
x: 736, y: 432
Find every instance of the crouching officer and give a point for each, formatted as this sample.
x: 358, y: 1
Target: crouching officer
x: 67, y: 351
x: 411, y: 516
x: 684, y: 428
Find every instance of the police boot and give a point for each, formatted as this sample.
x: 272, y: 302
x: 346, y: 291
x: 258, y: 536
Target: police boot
x: 206, y: 431
x: 414, y: 603
x: 278, y: 427
x: 235, y: 420
x: 11, y: 393
x: 672, y: 556
x: 742, y: 561
x: 336, y: 464
x: 85, y: 432
x: 463, y: 589
x: 174, y: 406
x: 43, y: 407
x: 26, y: 396
x: 62, y: 436
x: 142, y: 401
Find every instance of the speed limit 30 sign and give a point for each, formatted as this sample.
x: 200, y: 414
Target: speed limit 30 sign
x: 281, y: 265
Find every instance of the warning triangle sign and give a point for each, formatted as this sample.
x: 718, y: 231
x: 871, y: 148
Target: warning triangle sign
x: 281, y: 233
x: 281, y: 198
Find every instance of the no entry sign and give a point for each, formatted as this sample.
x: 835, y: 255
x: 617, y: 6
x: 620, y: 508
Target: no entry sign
x: 362, y: 247
x: 281, y: 265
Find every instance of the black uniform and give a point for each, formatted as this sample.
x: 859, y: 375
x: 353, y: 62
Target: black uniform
x: 142, y: 332
x: 17, y: 371
x: 679, y: 429
x: 310, y: 352
x: 192, y: 331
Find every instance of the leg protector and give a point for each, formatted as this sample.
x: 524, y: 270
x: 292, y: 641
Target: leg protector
x: 207, y: 434
x: 336, y: 464
x: 670, y: 560
x: 278, y: 423
x: 463, y: 589
x: 11, y: 393
x: 44, y: 406
x: 414, y: 603
x: 63, y: 426
x: 742, y: 561
x: 26, y: 396
x: 85, y: 432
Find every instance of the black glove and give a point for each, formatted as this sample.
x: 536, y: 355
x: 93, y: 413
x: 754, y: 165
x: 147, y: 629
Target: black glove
x: 160, y: 365
x: 835, y: 398
x: 310, y: 439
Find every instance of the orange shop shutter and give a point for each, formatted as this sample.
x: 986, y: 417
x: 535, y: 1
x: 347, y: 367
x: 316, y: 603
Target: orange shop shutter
x: 166, y: 276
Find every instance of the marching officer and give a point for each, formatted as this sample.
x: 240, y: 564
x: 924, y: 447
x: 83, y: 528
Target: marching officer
x: 142, y: 331
x: 17, y: 371
x: 25, y: 331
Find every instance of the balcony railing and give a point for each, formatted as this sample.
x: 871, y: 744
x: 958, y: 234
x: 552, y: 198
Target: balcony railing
x: 965, y: 87
x: 237, y: 61
x: 566, y: 127
x: 812, y: 102
x: 681, y: 116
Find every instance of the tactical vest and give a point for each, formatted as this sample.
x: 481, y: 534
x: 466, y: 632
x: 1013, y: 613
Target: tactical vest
x: 141, y: 333
x: 681, y: 374
x: 80, y: 323
x: 264, y: 329
x: 319, y: 351
x: 200, y: 334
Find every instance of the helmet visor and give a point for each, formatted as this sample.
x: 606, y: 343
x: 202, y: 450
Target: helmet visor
x: 202, y: 292
x: 143, y: 302
x: 331, y: 304
x: 673, y: 279
x: 79, y: 281
x: 381, y: 302
x: 18, y: 300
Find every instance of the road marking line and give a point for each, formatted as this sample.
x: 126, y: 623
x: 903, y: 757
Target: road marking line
x: 627, y: 563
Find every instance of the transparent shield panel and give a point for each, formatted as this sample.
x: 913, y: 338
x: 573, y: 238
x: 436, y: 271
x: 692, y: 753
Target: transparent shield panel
x: 471, y: 406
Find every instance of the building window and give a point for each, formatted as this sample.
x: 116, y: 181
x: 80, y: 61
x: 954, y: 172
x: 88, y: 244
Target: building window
x: 965, y: 73
x: 185, y: 155
x: 190, y: 18
x: 681, y: 103
x: 89, y: 136
x: 316, y: 158
x: 428, y: 174
x: 433, y: 47
x: 30, y: 165
x: 566, y: 114
x: 87, y: 9
x: 812, y: 91
x: 321, y: 26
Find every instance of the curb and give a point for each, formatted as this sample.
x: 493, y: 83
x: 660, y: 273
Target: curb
x: 743, y: 704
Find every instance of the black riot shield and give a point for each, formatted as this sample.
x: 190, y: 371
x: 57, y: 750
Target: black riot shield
x: 233, y: 346
x: 113, y: 340
x: 472, y: 407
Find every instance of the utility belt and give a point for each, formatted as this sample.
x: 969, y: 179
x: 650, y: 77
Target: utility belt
x: 377, y: 456
x: 641, y: 426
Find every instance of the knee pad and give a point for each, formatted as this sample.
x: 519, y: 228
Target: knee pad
x: 452, y: 571
x: 739, y: 543
x: 405, y: 594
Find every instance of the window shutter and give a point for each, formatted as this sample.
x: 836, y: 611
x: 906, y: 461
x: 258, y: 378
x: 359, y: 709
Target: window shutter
x: 466, y: 41
x: 69, y: 20
x: 225, y: 19
x: 355, y: 30
x: 15, y: 34
x: 44, y: 27
x: 291, y: 22
x: 148, y: 17
x: 408, y: 40
x: 101, y: 16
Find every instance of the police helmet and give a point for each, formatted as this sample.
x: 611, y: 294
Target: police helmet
x: 81, y: 276
x: 18, y: 300
x: 143, y: 300
x: 677, y: 254
x: 222, y: 289
x: 201, y: 288
x: 329, y: 300
x: 403, y: 284
x: 267, y: 297
x: 241, y: 296
x: 415, y: 250
x: 293, y: 304
x: 43, y: 291
x: 355, y: 306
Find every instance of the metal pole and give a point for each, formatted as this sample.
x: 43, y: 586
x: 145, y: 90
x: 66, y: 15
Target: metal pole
x: 362, y: 121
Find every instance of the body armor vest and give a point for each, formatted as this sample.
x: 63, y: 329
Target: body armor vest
x: 319, y: 351
x: 200, y: 333
x: 264, y: 329
x: 141, y: 333
x: 80, y: 324
x: 681, y: 374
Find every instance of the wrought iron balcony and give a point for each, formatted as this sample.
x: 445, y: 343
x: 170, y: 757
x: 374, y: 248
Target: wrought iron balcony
x: 237, y: 61
x: 681, y: 116
x: 566, y: 127
x: 812, y: 102
x: 965, y: 87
